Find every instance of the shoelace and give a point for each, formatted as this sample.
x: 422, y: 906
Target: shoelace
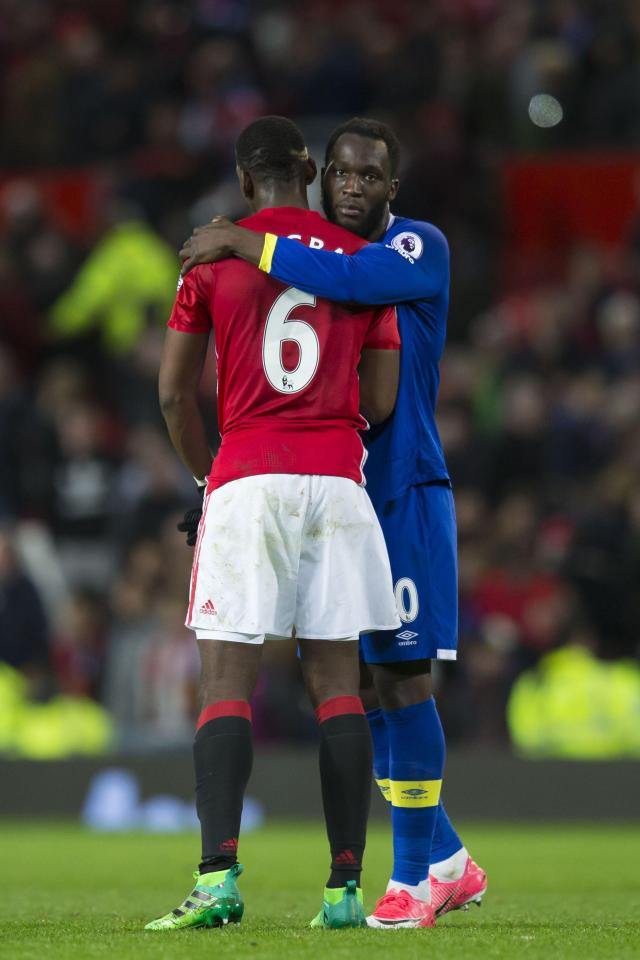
x: 393, y: 897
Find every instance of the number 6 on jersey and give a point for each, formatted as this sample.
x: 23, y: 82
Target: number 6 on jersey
x: 280, y: 328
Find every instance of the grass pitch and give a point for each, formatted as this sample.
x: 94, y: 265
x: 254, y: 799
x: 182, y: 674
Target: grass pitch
x: 554, y: 892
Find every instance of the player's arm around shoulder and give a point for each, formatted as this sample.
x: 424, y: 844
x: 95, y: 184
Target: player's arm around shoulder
x: 423, y: 249
x: 411, y: 263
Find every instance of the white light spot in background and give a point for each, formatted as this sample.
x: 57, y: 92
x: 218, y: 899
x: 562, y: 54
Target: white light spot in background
x: 545, y: 110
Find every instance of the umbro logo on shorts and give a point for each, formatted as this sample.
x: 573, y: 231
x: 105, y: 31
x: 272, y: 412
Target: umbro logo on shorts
x: 208, y: 607
x: 407, y: 636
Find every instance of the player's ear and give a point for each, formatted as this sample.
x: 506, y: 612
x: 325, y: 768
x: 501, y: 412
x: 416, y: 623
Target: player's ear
x: 311, y: 171
x: 246, y: 183
x: 393, y: 189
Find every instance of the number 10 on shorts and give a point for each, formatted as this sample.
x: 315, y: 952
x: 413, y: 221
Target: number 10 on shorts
x: 407, y: 599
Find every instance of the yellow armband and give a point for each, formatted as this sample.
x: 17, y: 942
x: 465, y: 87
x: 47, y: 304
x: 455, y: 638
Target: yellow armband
x: 268, y: 250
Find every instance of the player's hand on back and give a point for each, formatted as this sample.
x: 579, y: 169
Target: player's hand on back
x: 208, y: 243
x: 218, y: 240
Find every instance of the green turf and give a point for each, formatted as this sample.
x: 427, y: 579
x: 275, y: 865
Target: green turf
x: 66, y: 894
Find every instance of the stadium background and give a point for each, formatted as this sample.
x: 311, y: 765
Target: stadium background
x: 118, y: 123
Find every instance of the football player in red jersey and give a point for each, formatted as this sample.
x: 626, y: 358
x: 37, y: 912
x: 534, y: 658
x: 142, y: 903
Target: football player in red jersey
x: 288, y: 537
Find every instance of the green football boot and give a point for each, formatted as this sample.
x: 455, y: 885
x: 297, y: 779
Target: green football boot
x: 215, y: 901
x: 342, y: 907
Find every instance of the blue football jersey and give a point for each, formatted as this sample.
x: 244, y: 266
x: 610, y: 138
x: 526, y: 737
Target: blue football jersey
x: 406, y: 450
x: 408, y: 267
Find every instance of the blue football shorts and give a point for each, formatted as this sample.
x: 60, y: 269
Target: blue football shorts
x: 420, y: 531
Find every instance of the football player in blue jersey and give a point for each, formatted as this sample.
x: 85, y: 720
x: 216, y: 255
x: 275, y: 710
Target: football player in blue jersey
x: 407, y: 264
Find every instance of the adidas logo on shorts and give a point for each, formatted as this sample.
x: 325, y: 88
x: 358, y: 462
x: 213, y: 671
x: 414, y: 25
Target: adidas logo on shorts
x: 208, y: 607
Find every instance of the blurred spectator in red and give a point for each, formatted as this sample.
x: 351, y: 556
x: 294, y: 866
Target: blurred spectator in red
x: 530, y: 601
x: 78, y: 645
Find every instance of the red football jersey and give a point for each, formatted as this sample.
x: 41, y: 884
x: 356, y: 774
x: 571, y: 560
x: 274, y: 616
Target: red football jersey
x: 287, y: 361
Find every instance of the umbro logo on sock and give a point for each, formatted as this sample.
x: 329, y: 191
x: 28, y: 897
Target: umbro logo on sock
x: 208, y: 607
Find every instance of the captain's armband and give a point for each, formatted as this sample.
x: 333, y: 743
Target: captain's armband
x: 270, y: 240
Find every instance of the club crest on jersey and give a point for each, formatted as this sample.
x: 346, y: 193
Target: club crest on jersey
x: 408, y: 245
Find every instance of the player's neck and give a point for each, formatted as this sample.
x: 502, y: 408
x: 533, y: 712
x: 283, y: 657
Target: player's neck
x: 276, y: 196
x: 381, y: 227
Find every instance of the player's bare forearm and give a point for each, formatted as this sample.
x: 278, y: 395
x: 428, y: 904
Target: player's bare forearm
x: 186, y: 430
x: 219, y: 240
x: 378, y: 374
x: 180, y: 370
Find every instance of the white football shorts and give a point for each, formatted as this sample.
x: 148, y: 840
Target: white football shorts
x: 278, y: 551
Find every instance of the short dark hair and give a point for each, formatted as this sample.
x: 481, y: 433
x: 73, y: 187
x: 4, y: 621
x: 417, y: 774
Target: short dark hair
x: 272, y: 148
x: 375, y: 130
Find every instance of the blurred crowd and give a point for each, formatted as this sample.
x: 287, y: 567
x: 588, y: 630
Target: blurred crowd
x: 137, y: 106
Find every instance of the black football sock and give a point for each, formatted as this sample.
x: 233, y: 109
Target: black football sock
x: 223, y: 755
x: 345, y: 774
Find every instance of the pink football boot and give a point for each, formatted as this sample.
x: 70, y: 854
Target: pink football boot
x: 458, y: 894
x: 397, y: 908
